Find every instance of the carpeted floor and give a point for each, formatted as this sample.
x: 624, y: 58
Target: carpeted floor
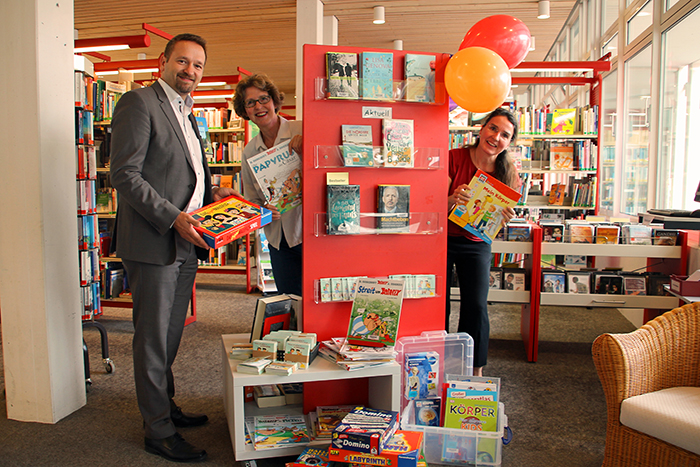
x: 555, y: 407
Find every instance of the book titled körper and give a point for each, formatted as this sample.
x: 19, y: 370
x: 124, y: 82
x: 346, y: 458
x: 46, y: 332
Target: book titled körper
x: 483, y: 213
x: 376, y: 308
x: 228, y: 219
x: 277, y: 172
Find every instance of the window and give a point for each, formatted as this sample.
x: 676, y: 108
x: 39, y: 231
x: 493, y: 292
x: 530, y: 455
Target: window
x: 635, y: 163
x: 679, y: 141
x: 611, y: 10
x: 670, y: 3
x: 608, y: 122
x: 611, y: 46
x: 639, y: 22
x: 575, y: 40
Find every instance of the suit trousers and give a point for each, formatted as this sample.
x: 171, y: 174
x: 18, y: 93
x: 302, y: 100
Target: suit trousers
x: 473, y: 263
x: 286, y: 267
x: 161, y: 296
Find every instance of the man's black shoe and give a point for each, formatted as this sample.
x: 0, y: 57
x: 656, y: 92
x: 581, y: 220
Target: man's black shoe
x: 186, y: 420
x: 175, y: 448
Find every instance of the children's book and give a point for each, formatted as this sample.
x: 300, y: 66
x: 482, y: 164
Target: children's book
x: 376, y: 309
x: 253, y: 365
x: 419, y: 73
x: 311, y: 456
x: 563, y: 121
x: 279, y: 431
x: 341, y: 71
x: 495, y: 278
x: 556, y: 194
x: 204, y: 134
x: 561, y: 157
x: 393, y: 203
x: 552, y: 232
x: 607, y: 234
x: 397, y: 137
x: 667, y: 237
x: 471, y: 414
x: 277, y: 172
x: 514, y: 279
x: 358, y: 147
x: 427, y: 412
x: 421, y: 370
x: 343, y: 210
x: 582, y: 233
x: 271, y: 314
x: 483, y: 213
x: 377, y: 75
x: 228, y: 219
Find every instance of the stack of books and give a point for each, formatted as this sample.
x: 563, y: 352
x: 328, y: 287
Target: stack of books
x: 253, y: 366
x: 282, y: 368
x: 355, y: 357
x: 241, y: 351
x: 325, y: 418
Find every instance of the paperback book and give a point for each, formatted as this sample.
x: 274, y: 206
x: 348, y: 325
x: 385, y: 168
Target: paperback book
x: 471, y: 414
x: 277, y: 172
x: 222, y: 222
x: 393, y: 203
x: 271, y: 314
x: 279, y: 431
x: 377, y: 75
x: 341, y: 70
x: 358, y: 147
x: 343, y: 210
x: 561, y: 157
x: 483, y: 214
x: 376, y: 309
x: 419, y: 73
x: 397, y: 137
x: 563, y: 121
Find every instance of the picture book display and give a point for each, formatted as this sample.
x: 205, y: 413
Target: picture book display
x: 278, y: 431
x: 393, y: 203
x: 377, y: 75
x: 277, y: 172
x: 667, y: 237
x: 228, y: 219
x: 483, y: 213
x: 376, y: 309
x: 397, y: 138
x: 358, y: 147
x: 419, y: 73
x: 341, y: 71
x: 343, y: 209
x: 563, y: 121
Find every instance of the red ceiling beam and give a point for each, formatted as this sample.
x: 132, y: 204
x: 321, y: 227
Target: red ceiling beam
x: 574, y: 81
x: 134, y: 42
x: 597, y: 66
x: 127, y: 64
x: 156, y: 31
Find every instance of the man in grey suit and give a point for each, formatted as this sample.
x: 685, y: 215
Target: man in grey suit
x: 159, y: 170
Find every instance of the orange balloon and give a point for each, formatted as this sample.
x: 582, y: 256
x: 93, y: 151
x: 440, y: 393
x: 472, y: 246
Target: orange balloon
x: 477, y: 79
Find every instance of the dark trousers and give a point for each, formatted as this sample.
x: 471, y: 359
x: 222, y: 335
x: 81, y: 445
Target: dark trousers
x: 161, y: 296
x: 286, y: 267
x: 473, y: 263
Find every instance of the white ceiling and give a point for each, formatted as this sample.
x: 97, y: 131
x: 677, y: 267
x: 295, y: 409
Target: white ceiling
x: 260, y: 36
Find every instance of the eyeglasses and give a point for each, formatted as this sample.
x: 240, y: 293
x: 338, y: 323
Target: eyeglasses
x: 250, y: 103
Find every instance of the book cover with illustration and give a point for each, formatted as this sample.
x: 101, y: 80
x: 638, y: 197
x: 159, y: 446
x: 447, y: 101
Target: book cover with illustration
x: 277, y: 172
x: 471, y: 414
x: 419, y: 73
x: 561, y: 157
x: 563, y: 121
x: 377, y: 75
x: 393, y: 203
x: 228, y: 219
x: 358, y: 149
x: 376, y: 309
x: 278, y: 431
x: 311, y: 456
x: 341, y: 71
x: 397, y: 138
x: 483, y: 213
x: 343, y: 209
x: 204, y: 134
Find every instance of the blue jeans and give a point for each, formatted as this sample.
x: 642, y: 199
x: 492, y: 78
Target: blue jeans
x: 286, y: 267
x: 473, y: 261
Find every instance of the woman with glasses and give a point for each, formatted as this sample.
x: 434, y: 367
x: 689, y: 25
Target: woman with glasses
x: 257, y: 99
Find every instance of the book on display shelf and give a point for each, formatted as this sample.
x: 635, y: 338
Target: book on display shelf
x: 226, y: 220
x: 341, y: 71
x: 279, y: 431
x: 253, y: 365
x: 282, y: 369
x: 495, y: 278
x: 581, y: 233
x: 397, y: 138
x: 358, y: 149
x: 563, y: 121
x: 634, y: 284
x: 552, y: 232
x: 636, y: 234
x: 578, y: 282
x: 514, y: 279
x: 377, y: 81
x: 553, y: 281
x: 271, y: 314
x: 667, y: 237
x: 376, y: 309
x: 268, y: 395
x: 393, y: 203
x: 419, y: 74
x: 557, y: 194
x: 471, y: 414
x: 607, y: 234
x: 482, y: 215
x: 606, y: 283
x: 343, y: 210
x: 561, y: 157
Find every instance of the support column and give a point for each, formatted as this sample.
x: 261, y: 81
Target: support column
x: 330, y: 30
x: 39, y: 284
x: 309, y: 31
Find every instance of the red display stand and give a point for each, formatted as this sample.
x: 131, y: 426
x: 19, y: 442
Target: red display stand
x: 371, y: 254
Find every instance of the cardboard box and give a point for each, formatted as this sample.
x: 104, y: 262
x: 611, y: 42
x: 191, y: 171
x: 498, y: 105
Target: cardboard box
x: 682, y: 286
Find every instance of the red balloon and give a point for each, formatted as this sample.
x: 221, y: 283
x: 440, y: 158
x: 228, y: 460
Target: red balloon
x: 503, y: 34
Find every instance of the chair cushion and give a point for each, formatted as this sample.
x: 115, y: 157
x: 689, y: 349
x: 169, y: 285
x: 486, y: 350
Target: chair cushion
x: 672, y: 415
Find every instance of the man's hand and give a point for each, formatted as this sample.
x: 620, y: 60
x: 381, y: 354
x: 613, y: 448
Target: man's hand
x: 183, y: 225
x: 275, y: 213
x: 221, y: 193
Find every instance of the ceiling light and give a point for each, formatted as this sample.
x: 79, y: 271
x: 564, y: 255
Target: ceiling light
x: 103, y: 44
x: 532, y: 43
x: 543, y: 9
x: 378, y: 15
x: 398, y: 44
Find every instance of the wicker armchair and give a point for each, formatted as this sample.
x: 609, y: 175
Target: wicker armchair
x: 663, y: 353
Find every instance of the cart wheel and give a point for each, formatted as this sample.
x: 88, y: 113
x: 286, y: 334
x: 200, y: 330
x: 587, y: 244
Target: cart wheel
x: 88, y: 382
x: 109, y: 365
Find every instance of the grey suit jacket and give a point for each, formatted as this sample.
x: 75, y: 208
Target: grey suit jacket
x: 150, y: 168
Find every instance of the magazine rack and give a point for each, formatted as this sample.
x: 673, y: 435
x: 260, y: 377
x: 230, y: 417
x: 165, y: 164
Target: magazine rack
x: 370, y: 255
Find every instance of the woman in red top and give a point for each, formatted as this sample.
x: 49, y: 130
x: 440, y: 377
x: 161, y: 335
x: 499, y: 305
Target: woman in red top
x: 471, y: 255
